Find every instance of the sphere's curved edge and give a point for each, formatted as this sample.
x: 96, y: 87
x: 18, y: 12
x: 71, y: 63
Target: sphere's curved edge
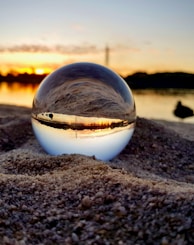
x: 84, y: 108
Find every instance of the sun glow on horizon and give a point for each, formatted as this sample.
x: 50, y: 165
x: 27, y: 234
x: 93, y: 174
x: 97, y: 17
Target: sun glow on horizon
x: 29, y: 70
x: 39, y: 71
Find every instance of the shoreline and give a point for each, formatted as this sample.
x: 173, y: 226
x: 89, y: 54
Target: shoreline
x: 184, y: 129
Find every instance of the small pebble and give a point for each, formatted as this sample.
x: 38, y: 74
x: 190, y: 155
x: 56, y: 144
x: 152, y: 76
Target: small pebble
x: 86, y: 202
x: 74, y: 237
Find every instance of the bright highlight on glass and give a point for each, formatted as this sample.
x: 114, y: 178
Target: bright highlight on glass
x: 83, y: 108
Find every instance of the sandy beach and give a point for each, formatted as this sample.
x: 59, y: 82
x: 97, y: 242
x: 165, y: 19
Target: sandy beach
x: 143, y: 196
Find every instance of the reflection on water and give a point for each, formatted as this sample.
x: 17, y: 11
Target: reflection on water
x: 160, y: 104
x: 17, y: 93
x: 149, y: 103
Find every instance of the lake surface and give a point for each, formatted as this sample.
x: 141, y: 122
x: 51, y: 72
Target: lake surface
x: 152, y: 104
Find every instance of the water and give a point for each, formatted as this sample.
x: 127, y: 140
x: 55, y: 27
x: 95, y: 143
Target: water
x: 160, y: 104
x: 83, y: 108
x: 17, y: 93
x: 149, y: 103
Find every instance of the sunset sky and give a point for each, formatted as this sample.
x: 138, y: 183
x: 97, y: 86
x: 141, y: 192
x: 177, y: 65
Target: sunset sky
x: 143, y: 35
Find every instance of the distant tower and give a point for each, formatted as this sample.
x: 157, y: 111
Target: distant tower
x: 107, y: 55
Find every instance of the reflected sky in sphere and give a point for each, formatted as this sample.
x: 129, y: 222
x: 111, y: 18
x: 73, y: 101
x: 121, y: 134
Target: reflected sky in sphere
x: 83, y: 108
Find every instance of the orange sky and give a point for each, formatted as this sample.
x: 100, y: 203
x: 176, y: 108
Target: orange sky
x: 151, y: 36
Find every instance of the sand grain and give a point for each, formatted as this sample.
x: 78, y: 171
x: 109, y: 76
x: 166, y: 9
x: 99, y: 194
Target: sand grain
x: 144, y: 196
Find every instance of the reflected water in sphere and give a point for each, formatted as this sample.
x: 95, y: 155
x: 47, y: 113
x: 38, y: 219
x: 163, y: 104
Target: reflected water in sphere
x: 83, y: 108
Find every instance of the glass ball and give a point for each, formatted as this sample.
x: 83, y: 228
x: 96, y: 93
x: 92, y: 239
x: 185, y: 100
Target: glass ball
x: 83, y: 108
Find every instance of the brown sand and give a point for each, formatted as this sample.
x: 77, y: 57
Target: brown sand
x: 144, y: 196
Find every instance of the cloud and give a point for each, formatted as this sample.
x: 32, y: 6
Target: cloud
x: 60, y: 49
x: 24, y: 48
x: 147, y: 42
x: 82, y: 49
x: 73, y: 49
x: 119, y: 47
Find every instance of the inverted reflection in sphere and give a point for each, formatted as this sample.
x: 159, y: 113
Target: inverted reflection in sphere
x: 83, y: 108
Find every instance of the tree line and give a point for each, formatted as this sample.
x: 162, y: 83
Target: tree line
x: 139, y: 80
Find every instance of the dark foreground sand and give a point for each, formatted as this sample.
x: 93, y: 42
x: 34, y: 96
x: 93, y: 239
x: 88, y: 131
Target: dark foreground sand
x: 144, y: 196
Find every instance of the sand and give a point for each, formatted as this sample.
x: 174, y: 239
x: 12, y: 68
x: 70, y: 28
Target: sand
x: 143, y: 196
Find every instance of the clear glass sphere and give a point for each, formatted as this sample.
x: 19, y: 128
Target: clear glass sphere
x: 83, y: 108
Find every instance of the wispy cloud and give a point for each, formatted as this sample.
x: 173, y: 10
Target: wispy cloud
x: 82, y: 49
x: 60, y: 49
x: 125, y: 48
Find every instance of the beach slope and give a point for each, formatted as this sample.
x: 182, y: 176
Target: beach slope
x: 143, y: 196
